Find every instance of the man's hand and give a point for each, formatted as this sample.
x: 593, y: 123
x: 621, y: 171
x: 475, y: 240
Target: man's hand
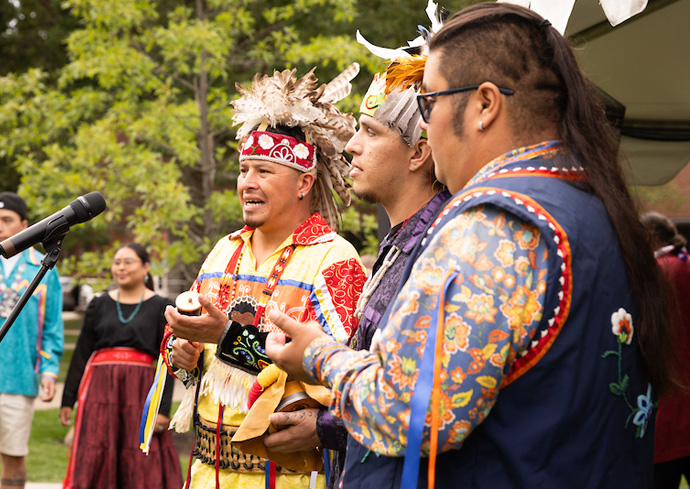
x: 47, y: 389
x: 297, y: 431
x: 185, y: 354
x: 288, y: 356
x: 206, y: 328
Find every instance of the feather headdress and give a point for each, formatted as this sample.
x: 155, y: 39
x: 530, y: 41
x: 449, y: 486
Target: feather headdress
x: 418, y: 45
x: 405, y: 72
x: 284, y: 100
x: 391, y: 98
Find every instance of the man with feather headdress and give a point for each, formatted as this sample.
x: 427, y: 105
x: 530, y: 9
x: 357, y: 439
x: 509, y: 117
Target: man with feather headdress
x: 287, y: 257
x: 392, y: 165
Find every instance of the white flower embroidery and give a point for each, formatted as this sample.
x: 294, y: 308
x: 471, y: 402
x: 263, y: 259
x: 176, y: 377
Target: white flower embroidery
x: 265, y: 141
x: 249, y: 142
x: 622, y: 325
x: 302, y: 151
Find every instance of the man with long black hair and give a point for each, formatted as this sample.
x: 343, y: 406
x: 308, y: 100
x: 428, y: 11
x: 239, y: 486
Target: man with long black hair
x: 534, y: 302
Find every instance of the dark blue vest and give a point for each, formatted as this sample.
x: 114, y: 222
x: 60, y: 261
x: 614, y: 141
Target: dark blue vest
x: 575, y: 410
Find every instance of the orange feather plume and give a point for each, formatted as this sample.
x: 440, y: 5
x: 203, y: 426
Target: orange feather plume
x: 405, y: 72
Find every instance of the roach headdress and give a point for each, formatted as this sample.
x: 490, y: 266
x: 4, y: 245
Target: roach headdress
x: 284, y: 100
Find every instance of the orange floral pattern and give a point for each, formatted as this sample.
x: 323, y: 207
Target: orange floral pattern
x: 491, y: 310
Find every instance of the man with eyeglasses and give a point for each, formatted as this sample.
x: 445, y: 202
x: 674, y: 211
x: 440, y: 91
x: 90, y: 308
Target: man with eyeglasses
x: 528, y: 342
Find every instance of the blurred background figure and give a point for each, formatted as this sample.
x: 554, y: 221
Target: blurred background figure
x: 672, y: 439
x: 109, y: 376
x: 32, y: 348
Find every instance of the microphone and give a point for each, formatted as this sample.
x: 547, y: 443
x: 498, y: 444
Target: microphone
x: 81, y: 209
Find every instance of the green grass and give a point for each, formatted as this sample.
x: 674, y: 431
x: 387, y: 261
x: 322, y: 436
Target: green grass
x: 48, y: 455
x: 47, y: 459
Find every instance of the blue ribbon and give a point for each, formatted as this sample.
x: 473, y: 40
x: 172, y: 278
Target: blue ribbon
x: 326, y: 463
x: 419, y: 405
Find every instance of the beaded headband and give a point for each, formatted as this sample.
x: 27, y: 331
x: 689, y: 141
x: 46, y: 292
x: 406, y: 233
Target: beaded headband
x: 278, y: 148
x: 396, y: 109
x: 285, y: 100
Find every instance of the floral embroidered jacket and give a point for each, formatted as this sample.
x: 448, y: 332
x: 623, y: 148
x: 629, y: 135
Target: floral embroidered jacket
x: 538, y: 380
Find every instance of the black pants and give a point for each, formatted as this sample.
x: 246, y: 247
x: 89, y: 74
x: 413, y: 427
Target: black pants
x: 667, y: 474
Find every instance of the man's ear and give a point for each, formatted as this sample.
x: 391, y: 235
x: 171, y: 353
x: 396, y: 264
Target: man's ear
x: 422, y: 153
x: 305, y: 181
x: 488, y: 104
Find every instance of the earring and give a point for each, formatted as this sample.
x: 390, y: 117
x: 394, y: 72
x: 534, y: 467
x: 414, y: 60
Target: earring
x: 301, y: 196
x: 481, y: 125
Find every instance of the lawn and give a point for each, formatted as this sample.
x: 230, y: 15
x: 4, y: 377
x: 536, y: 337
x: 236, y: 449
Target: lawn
x: 48, y: 455
x: 47, y: 460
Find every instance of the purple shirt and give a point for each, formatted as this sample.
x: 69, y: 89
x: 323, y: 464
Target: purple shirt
x: 329, y: 428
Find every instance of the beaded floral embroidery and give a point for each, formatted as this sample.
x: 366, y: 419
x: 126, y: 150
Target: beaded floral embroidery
x: 622, y: 327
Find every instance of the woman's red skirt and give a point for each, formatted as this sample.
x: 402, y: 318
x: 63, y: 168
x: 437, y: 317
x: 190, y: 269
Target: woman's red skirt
x: 105, y: 453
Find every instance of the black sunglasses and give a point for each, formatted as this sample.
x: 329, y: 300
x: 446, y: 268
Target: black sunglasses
x: 424, y: 100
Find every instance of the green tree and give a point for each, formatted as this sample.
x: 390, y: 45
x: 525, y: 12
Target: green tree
x: 141, y: 110
x: 32, y: 34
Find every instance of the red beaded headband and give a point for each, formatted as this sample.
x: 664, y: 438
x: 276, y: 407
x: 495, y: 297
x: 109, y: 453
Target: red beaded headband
x: 278, y: 148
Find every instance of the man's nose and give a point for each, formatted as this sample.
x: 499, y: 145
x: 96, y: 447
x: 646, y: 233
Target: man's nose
x: 352, y: 146
x: 250, y: 179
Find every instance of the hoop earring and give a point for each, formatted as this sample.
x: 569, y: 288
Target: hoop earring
x: 481, y: 125
x: 301, y: 196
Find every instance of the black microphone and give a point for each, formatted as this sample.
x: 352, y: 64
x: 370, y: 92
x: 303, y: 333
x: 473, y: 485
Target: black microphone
x: 81, y: 209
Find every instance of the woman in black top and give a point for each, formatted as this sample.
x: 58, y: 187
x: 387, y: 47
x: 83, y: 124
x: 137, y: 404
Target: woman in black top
x: 110, y: 375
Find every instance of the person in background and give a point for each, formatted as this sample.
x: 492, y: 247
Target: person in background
x: 672, y: 431
x: 530, y: 338
x: 109, y: 377
x: 31, y: 350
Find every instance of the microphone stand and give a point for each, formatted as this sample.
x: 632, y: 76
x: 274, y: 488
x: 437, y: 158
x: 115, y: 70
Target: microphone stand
x: 53, y: 249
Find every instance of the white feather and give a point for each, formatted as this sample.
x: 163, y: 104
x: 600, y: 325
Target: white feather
x: 432, y: 13
x: 384, y: 53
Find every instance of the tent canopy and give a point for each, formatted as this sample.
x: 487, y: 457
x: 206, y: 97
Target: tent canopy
x: 644, y: 65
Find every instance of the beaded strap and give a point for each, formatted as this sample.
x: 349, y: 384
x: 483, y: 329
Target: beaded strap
x: 230, y: 457
x: 272, y: 281
x: 232, y: 269
x: 372, y: 284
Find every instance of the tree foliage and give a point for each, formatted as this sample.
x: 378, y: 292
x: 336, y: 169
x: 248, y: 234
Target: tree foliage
x: 140, y: 111
x: 32, y: 34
